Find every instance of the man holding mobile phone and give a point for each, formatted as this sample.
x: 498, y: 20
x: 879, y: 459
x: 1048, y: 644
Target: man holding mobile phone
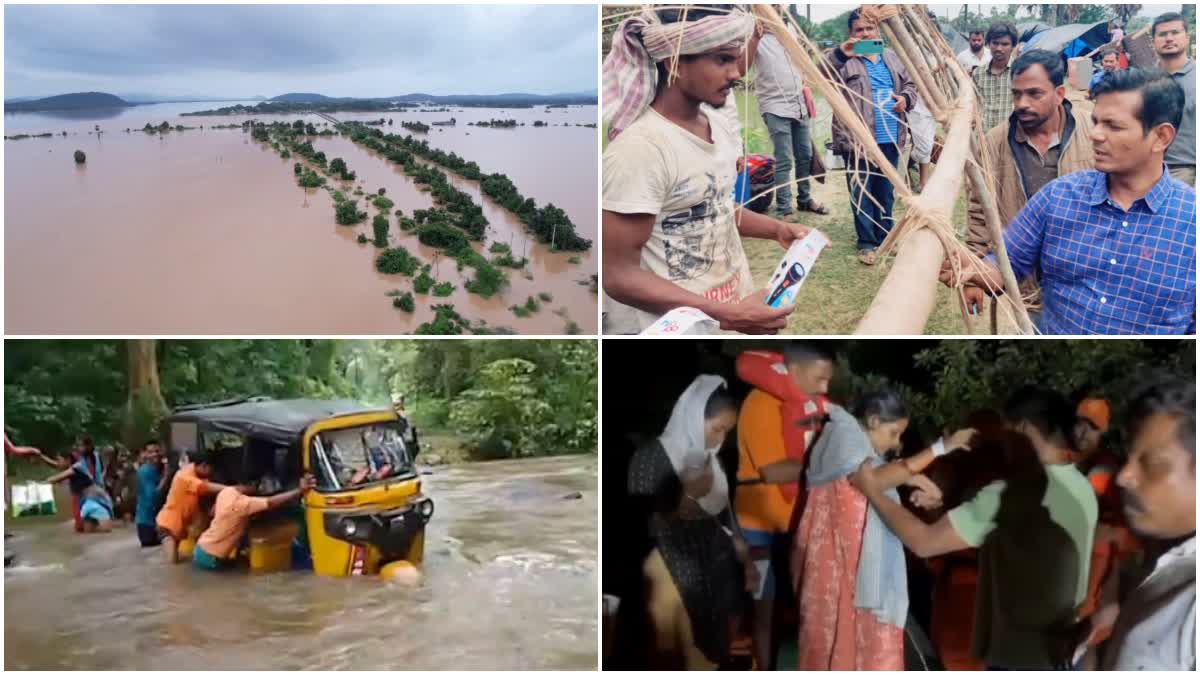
x: 882, y: 91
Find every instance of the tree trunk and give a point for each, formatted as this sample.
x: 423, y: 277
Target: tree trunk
x: 144, y: 407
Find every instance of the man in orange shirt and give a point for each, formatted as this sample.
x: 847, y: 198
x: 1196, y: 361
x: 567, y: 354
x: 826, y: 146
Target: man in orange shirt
x: 183, y: 501
x: 777, y: 424
x: 218, y: 546
x: 1114, y: 544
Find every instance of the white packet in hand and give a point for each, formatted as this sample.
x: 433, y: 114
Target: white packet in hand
x: 794, y: 268
x: 683, y: 321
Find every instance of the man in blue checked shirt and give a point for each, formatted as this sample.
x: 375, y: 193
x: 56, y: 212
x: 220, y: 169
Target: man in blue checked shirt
x: 1114, y: 247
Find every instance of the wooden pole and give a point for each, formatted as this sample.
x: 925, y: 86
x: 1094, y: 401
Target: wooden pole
x: 906, y: 299
x: 836, y: 99
x: 907, y: 49
x: 975, y: 176
x: 933, y: 99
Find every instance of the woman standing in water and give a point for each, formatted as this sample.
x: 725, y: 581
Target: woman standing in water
x: 848, y: 567
x: 692, y: 573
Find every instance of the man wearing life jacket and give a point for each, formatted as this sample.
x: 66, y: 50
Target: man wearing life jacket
x: 778, y: 422
x: 1114, y: 543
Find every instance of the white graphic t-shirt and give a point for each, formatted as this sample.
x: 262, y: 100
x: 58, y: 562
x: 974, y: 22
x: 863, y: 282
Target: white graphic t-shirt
x: 657, y: 167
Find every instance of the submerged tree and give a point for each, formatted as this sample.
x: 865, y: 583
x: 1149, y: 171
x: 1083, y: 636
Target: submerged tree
x: 347, y: 213
x: 380, y: 223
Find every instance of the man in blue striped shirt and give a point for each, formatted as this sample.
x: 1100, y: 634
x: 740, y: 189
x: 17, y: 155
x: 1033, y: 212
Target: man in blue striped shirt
x: 881, y: 92
x: 1114, y: 247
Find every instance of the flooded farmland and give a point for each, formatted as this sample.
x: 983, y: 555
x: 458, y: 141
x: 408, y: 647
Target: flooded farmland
x: 206, y: 232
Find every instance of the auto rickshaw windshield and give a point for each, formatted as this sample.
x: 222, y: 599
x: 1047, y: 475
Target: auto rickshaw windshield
x: 350, y: 458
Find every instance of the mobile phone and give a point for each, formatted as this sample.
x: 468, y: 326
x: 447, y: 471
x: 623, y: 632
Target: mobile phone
x: 868, y: 47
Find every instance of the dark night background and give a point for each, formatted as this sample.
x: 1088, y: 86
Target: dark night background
x: 642, y: 379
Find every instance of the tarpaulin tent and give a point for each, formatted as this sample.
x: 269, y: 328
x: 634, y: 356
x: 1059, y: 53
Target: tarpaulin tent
x: 956, y: 40
x: 1028, y: 29
x: 1071, y: 40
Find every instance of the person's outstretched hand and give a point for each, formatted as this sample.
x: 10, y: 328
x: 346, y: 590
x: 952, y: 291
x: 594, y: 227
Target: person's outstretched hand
x: 790, y: 232
x: 863, y: 478
x: 307, y: 483
x: 927, y: 494
x: 960, y: 440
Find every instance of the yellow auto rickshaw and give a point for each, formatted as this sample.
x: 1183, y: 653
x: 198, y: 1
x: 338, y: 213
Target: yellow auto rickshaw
x: 367, y: 514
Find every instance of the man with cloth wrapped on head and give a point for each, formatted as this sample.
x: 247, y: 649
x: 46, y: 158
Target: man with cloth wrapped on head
x: 671, y: 227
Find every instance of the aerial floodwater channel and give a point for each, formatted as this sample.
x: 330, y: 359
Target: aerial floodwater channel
x: 203, y: 227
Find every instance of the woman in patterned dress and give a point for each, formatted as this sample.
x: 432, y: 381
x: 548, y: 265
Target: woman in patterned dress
x: 695, y: 572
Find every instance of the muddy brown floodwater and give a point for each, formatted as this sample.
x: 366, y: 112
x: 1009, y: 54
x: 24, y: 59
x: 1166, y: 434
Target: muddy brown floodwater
x: 510, y: 584
x: 206, y: 232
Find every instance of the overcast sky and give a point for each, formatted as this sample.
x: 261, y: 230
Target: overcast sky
x: 824, y: 12
x: 341, y: 50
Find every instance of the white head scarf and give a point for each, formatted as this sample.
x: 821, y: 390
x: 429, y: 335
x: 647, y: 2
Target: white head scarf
x: 683, y: 439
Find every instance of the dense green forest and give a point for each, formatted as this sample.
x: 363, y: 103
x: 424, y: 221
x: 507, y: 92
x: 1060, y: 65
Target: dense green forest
x: 498, y: 398
x: 946, y: 381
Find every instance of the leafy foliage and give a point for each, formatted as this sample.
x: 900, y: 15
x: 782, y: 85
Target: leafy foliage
x: 397, y: 261
x: 970, y: 375
x: 380, y: 225
x: 405, y: 302
x: 56, y: 390
x: 515, y: 400
x: 309, y: 179
x: 347, y: 213
x: 422, y: 283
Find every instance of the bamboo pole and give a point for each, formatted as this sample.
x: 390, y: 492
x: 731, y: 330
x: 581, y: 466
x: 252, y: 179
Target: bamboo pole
x: 907, y: 49
x: 933, y: 98
x: 991, y: 216
x: 931, y: 38
x: 837, y: 101
x: 978, y: 184
x: 905, y: 300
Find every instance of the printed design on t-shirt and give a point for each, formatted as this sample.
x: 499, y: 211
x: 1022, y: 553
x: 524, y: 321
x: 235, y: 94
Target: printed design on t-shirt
x: 690, y: 242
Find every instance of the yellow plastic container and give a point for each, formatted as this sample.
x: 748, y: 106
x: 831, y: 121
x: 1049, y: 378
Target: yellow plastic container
x: 271, y: 547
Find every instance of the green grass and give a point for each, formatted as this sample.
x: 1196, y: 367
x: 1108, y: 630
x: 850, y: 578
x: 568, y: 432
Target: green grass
x: 840, y: 289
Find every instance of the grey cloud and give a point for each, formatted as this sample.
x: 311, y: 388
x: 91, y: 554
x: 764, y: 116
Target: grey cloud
x: 338, y: 50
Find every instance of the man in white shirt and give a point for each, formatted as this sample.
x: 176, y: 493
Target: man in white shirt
x: 672, y: 232
x: 1156, y: 626
x: 977, y: 54
x: 780, y: 92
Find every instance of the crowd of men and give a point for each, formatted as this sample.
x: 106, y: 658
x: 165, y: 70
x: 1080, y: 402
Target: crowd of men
x: 1115, y: 254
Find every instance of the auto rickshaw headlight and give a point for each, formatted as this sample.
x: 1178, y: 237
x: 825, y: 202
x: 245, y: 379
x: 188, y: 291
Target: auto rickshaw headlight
x: 425, y: 508
x: 349, y: 527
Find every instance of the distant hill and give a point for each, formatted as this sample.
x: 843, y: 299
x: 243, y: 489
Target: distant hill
x: 87, y: 99
x: 302, y: 98
x: 498, y: 99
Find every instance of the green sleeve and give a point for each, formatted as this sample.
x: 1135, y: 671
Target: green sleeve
x: 975, y: 520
